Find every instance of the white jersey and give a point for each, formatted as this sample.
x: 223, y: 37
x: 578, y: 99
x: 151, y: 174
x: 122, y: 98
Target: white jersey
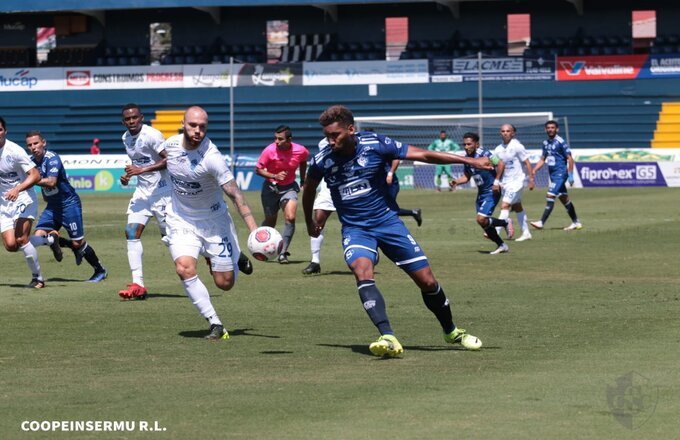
x: 196, y: 177
x: 14, y: 164
x: 513, y: 154
x: 143, y: 150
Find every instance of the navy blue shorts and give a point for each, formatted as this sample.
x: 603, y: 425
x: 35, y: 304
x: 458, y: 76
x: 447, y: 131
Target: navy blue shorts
x: 392, y: 238
x: 486, y: 203
x: 68, y: 217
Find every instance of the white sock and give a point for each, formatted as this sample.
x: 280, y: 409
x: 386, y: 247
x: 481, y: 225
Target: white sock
x: 315, y: 244
x: 522, y: 220
x: 199, y: 296
x: 31, y: 256
x: 505, y: 213
x: 40, y: 240
x: 135, y: 251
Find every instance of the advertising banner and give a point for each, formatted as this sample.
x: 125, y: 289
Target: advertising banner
x: 493, y: 69
x: 365, y: 72
x: 599, y: 174
x: 25, y: 80
x: 590, y: 68
x: 208, y: 75
x: 661, y: 66
x: 269, y: 75
x: 133, y: 77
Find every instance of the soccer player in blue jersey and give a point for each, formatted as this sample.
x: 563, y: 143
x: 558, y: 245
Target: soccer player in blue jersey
x: 63, y: 207
x: 488, y: 192
x: 557, y: 154
x: 354, y: 168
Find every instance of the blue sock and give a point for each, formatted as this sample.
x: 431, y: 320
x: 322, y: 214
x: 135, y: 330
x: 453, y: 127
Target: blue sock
x: 548, y: 209
x: 374, y: 304
x: 571, y: 211
x: 438, y: 303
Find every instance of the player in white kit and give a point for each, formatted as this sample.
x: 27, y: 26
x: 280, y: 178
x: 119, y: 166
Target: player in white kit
x: 513, y: 154
x: 323, y: 208
x: 143, y: 144
x: 198, y: 220
x: 18, y: 203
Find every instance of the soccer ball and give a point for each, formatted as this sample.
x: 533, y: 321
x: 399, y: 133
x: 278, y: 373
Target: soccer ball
x: 265, y: 243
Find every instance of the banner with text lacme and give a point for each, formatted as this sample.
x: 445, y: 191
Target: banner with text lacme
x: 330, y: 73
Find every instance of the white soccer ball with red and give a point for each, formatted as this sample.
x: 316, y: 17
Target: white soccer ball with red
x: 265, y: 243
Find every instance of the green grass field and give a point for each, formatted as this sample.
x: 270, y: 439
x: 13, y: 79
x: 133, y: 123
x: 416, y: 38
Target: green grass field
x: 564, y: 318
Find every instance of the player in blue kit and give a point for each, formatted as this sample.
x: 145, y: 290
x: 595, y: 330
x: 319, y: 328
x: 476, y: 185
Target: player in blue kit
x: 354, y: 168
x: 488, y: 192
x: 557, y: 154
x: 63, y: 207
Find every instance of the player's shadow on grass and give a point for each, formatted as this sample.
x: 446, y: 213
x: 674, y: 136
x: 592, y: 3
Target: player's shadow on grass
x: 64, y: 280
x: 234, y: 332
x: 363, y: 349
x: 18, y: 286
x: 166, y: 295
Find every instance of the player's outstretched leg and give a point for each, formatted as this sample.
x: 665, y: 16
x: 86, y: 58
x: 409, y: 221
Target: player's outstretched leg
x: 575, y: 224
x: 374, y: 305
x: 549, y: 205
x: 88, y: 253
x: 199, y: 296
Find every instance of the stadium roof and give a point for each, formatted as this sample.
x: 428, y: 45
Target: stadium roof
x: 14, y: 6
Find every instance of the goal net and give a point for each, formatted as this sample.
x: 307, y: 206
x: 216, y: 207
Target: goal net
x: 422, y: 130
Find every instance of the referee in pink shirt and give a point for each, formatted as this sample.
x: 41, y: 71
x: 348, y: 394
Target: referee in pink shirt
x: 277, y: 164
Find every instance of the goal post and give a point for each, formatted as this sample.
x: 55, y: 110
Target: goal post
x: 422, y: 130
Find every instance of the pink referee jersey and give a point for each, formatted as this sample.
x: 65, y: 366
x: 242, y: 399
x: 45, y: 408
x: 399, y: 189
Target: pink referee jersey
x: 275, y: 160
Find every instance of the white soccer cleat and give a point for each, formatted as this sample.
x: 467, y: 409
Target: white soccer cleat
x: 574, y: 226
x: 537, y: 224
x: 500, y: 250
x: 526, y: 235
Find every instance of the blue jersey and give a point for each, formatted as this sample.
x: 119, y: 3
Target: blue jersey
x: 555, y: 153
x: 63, y: 193
x: 357, y: 182
x: 483, y: 178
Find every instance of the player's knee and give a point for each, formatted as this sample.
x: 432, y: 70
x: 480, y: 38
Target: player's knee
x: 482, y: 221
x: 132, y: 231
x: 224, y: 280
x: 77, y: 244
x: 11, y: 246
x: 21, y: 241
x: 184, y: 271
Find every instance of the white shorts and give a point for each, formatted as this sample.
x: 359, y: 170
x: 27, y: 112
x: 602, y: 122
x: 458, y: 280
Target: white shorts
x: 512, y: 192
x: 142, y: 208
x: 323, y: 199
x: 214, y: 238
x: 24, y: 207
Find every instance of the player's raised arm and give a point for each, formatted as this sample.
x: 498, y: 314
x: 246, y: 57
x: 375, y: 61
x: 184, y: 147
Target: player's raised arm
x: 234, y: 193
x: 313, y: 229
x: 415, y: 153
x: 132, y: 170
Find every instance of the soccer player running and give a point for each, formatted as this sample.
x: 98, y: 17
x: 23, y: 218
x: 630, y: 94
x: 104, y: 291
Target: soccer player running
x: 443, y: 145
x: 322, y: 209
x: 488, y: 191
x: 63, y: 208
x: 277, y: 164
x: 198, y: 220
x: 557, y: 154
x: 18, y: 203
x: 143, y: 144
x: 512, y: 153
x: 354, y: 168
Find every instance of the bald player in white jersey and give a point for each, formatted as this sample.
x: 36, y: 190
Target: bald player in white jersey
x: 198, y: 220
x: 513, y: 154
x: 18, y: 203
x: 143, y: 144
